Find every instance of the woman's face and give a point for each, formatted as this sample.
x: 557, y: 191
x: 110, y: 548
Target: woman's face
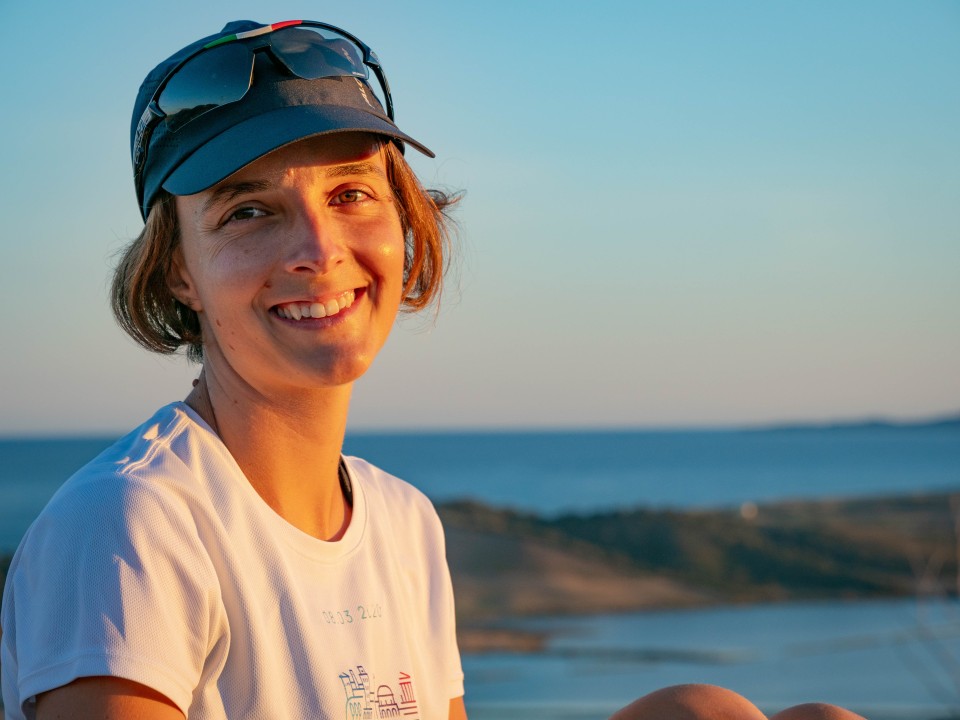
x: 294, y: 264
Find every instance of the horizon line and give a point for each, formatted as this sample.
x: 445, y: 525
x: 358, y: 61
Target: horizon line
x: 874, y: 421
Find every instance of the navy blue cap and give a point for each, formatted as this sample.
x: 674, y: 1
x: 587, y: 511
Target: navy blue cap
x: 279, y: 109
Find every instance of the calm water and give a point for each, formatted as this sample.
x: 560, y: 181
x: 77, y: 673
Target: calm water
x: 888, y: 660
x: 556, y: 472
x: 872, y: 656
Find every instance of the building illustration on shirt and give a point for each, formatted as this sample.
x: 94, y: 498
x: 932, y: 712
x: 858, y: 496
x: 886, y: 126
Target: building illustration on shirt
x: 366, y: 700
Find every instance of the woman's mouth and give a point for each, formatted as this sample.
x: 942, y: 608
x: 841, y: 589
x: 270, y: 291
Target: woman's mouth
x: 327, y: 308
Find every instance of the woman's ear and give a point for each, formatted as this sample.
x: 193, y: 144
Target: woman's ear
x: 180, y: 282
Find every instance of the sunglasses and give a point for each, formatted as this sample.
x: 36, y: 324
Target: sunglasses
x: 221, y: 72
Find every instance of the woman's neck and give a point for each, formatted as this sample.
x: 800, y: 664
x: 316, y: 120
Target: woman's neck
x: 288, y: 448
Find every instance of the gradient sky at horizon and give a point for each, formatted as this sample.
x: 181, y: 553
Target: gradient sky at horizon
x: 676, y: 213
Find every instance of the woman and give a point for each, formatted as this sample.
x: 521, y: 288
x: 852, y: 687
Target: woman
x: 224, y: 560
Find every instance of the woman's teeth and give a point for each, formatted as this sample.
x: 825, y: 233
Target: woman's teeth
x: 300, y: 311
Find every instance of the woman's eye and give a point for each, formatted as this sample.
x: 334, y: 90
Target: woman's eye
x: 350, y: 196
x: 246, y: 213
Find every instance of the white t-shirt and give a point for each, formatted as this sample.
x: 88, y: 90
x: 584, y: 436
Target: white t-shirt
x: 159, y: 563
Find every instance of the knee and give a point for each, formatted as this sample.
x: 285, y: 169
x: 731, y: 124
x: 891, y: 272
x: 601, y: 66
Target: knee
x: 816, y: 711
x: 690, y: 702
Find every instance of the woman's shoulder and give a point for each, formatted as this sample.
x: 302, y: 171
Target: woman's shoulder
x: 174, y: 439
x: 152, y: 469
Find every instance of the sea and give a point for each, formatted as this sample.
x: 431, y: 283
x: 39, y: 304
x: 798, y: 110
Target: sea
x: 887, y: 659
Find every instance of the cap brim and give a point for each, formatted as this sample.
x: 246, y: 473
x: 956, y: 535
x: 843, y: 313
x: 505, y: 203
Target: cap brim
x: 253, y: 138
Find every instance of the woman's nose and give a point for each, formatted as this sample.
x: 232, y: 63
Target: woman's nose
x: 316, y: 244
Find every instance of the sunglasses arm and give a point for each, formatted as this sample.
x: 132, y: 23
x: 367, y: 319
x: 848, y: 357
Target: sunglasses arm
x: 148, y: 121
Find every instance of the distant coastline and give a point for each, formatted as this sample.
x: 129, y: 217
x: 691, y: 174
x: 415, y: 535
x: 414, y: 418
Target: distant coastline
x: 947, y: 420
x: 507, y: 565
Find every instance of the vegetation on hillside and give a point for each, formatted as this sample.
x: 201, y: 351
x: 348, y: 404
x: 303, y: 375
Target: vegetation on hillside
x: 507, y: 563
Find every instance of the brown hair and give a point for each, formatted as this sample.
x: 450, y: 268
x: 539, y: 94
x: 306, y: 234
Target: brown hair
x: 146, y: 309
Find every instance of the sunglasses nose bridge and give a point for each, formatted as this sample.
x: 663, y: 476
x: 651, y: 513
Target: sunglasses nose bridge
x: 264, y: 46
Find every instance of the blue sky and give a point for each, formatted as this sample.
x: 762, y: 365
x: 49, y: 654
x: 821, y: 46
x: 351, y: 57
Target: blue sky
x: 676, y: 213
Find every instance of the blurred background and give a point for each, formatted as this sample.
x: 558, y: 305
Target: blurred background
x: 709, y: 263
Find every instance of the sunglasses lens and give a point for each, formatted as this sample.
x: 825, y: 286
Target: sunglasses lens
x: 314, y: 53
x: 213, y: 78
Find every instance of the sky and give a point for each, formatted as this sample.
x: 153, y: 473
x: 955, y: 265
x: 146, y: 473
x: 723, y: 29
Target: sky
x: 675, y: 213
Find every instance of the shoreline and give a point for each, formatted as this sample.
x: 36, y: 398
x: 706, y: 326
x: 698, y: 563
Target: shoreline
x: 509, y: 635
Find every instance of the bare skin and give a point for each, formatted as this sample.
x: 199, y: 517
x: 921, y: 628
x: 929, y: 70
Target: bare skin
x: 708, y: 702
x: 457, y: 709
x: 100, y: 698
x: 816, y: 711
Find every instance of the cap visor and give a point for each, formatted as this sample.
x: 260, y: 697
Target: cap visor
x: 253, y: 138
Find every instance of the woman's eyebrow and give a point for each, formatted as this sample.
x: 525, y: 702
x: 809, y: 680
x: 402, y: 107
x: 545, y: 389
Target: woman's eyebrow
x: 228, y: 191
x: 357, y: 168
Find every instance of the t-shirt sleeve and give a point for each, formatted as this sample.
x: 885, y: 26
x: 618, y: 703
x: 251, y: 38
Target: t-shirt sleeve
x: 453, y: 649
x: 112, y: 580
x: 445, y: 612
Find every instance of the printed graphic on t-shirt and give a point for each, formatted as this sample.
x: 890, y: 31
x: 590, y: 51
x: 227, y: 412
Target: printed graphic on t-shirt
x: 366, y: 699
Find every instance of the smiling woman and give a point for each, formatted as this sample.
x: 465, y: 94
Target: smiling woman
x: 306, y: 231
x: 227, y: 560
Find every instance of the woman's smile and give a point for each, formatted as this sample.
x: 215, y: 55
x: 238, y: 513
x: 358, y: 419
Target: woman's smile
x: 301, y: 311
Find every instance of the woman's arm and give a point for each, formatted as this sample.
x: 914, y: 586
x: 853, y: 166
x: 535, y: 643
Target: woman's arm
x: 457, y: 709
x: 100, y: 698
